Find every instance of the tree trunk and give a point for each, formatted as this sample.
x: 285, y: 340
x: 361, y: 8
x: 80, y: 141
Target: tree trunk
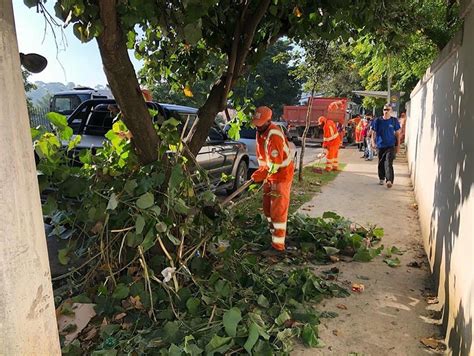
x: 27, y: 315
x: 305, y: 134
x: 124, y: 84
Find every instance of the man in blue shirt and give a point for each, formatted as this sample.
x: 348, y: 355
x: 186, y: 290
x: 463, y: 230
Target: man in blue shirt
x: 386, y: 137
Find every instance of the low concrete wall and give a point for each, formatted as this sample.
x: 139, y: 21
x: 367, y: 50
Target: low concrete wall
x: 440, y: 147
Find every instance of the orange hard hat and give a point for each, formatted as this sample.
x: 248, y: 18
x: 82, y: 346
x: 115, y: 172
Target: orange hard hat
x: 261, y: 116
x: 336, y: 106
x: 322, y: 120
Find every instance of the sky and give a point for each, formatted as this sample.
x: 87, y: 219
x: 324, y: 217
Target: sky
x: 74, y: 62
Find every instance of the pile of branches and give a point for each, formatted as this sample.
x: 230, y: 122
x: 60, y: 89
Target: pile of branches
x: 162, y: 277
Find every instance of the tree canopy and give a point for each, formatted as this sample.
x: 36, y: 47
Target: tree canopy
x: 184, y: 42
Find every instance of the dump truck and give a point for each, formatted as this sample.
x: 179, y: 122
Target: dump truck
x: 295, y: 116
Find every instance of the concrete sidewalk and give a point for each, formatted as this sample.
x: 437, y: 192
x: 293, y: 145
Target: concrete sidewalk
x: 391, y: 315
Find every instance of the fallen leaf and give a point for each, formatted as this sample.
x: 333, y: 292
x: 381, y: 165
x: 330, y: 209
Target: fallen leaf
x: 92, y: 333
x: 341, y: 306
x: 433, y: 343
x: 335, y: 332
x: 120, y: 316
x: 414, y: 264
x: 358, y: 287
x: 290, y: 323
x: 83, y: 313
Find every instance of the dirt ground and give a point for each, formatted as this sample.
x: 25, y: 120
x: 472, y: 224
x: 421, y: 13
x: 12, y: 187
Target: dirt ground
x: 392, y: 314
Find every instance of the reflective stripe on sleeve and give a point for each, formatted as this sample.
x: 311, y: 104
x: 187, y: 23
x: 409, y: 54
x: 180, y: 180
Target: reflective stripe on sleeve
x: 325, y: 139
x: 286, y: 149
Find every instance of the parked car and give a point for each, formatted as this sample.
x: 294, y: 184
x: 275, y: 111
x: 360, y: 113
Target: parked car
x: 92, y: 120
x: 248, y: 136
x: 66, y: 102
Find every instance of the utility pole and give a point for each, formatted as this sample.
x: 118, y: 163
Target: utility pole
x: 27, y: 314
x: 389, y: 79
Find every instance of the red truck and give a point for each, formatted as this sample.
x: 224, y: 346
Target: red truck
x: 295, y: 116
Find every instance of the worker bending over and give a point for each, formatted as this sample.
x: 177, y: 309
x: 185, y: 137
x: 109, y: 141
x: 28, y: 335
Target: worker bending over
x: 275, y: 170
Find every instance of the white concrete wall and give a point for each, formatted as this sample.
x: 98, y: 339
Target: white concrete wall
x: 440, y: 147
x: 27, y: 314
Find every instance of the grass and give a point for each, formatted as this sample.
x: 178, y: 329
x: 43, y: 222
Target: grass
x: 301, y: 192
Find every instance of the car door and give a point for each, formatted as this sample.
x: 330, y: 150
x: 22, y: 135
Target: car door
x: 215, y: 144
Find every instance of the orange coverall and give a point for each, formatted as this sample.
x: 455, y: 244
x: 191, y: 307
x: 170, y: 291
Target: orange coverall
x: 331, y: 141
x: 276, y: 171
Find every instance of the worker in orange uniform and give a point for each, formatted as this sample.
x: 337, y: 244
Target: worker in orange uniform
x: 276, y: 169
x: 331, y: 141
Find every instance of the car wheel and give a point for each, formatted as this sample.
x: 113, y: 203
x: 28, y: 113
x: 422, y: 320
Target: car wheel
x: 240, y: 176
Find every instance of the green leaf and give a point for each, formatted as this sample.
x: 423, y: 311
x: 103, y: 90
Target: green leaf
x: 263, y: 301
x: 176, y: 177
x: 392, y: 262
x: 74, y: 142
x: 30, y: 3
x: 63, y: 256
x: 193, y: 32
x: 252, y: 338
x: 174, y: 350
x: 191, y: 348
x: 362, y: 255
x: 145, y: 201
x: 113, y: 202
x: 284, y: 316
x: 330, y: 215
x: 171, y: 332
x: 231, y: 319
x: 396, y: 251
x: 378, y: 232
x: 130, y: 186
x: 192, y: 304
x: 120, y: 292
x: 149, y: 240
x: 139, y: 224
x: 331, y: 251
x: 218, y: 345
x: 161, y: 227
x: 58, y: 120
x: 310, y: 335
x: 50, y: 206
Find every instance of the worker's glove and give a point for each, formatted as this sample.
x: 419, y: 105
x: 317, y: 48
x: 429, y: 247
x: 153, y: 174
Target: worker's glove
x: 259, y: 175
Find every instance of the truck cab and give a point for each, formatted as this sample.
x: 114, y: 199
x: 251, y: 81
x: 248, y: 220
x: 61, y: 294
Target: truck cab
x: 67, y: 101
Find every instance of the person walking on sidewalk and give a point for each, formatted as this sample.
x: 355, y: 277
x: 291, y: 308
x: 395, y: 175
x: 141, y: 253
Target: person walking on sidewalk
x: 276, y: 169
x: 386, y: 137
x: 331, y: 141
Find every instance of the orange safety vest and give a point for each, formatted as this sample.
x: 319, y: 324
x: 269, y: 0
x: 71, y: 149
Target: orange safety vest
x: 273, y: 154
x: 330, y: 135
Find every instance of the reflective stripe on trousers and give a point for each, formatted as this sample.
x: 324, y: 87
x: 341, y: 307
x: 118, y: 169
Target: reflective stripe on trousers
x: 332, y: 161
x: 276, y: 200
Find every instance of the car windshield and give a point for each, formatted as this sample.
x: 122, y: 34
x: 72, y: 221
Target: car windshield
x: 66, y: 104
x: 249, y: 133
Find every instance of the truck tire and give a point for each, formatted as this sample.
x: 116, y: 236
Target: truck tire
x: 240, y: 176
